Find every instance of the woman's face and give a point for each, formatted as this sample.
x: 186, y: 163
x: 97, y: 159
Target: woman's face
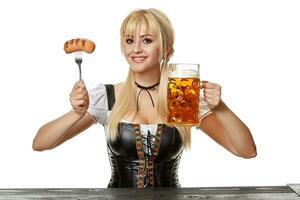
x: 142, y: 50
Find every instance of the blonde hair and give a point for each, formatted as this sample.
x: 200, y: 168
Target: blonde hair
x: 126, y: 104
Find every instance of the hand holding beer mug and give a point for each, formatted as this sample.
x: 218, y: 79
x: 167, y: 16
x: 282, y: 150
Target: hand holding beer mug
x: 183, y: 94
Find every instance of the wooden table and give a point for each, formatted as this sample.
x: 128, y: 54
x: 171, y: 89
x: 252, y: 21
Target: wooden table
x: 289, y: 192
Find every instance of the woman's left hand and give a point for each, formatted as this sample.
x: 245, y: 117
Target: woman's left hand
x: 212, y: 93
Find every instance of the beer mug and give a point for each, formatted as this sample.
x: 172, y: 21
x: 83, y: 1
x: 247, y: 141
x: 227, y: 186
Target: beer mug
x: 183, y: 94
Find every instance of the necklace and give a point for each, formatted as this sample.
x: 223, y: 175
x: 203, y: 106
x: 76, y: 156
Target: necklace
x: 152, y: 87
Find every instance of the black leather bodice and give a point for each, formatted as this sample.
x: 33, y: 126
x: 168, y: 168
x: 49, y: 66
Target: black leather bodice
x: 125, y: 164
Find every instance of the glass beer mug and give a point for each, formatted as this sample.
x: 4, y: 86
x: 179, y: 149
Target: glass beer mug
x: 183, y: 94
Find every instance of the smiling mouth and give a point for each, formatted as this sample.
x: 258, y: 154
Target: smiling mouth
x: 139, y: 59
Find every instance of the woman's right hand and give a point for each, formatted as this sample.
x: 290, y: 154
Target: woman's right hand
x: 79, y: 98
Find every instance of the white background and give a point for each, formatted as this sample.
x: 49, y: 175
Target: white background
x: 251, y: 48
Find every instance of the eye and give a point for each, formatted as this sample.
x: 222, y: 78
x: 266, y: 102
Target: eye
x: 147, y: 41
x: 129, y: 40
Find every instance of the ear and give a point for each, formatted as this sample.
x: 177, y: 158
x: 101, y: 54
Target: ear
x: 169, y: 51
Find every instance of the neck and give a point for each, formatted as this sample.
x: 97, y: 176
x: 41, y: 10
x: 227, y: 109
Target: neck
x: 148, y: 78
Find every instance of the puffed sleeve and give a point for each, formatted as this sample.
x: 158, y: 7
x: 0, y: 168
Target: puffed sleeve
x: 98, y: 107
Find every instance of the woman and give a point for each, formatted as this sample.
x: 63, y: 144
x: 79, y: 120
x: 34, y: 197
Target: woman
x: 143, y: 150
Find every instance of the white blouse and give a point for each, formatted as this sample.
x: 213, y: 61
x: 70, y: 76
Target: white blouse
x: 98, y: 107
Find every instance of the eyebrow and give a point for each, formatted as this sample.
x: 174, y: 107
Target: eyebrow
x: 146, y: 35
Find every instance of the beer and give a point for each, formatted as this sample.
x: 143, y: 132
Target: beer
x: 183, y: 95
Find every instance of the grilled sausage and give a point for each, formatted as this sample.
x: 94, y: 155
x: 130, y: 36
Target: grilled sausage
x: 79, y: 44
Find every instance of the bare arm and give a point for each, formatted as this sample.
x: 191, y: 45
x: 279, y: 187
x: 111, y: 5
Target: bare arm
x: 61, y: 129
x: 224, y: 126
x: 68, y: 125
x: 229, y: 131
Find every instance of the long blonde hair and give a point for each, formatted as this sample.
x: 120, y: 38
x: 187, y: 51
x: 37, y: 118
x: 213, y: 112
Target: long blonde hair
x: 125, y: 104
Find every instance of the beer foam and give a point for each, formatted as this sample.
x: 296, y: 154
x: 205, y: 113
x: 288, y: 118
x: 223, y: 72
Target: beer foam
x: 184, y: 74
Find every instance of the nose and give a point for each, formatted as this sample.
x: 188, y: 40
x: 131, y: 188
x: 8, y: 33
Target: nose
x: 137, y: 47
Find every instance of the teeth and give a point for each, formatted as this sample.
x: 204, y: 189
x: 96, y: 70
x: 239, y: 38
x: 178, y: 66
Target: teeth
x: 139, y: 59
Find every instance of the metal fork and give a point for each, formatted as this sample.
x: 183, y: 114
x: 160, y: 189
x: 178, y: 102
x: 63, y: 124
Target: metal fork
x: 78, y: 60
